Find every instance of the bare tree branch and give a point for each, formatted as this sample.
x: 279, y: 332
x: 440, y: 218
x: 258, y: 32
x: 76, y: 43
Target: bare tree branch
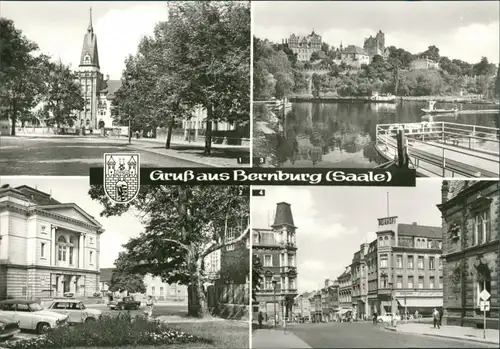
x: 217, y: 246
x: 178, y: 243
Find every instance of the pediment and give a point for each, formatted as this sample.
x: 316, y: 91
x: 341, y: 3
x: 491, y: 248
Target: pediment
x: 72, y: 211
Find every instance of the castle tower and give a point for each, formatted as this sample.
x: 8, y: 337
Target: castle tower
x: 89, y: 78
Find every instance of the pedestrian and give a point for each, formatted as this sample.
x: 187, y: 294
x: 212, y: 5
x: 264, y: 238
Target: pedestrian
x: 375, y: 316
x: 149, y: 307
x: 435, y: 318
x: 260, y: 317
x: 416, y: 314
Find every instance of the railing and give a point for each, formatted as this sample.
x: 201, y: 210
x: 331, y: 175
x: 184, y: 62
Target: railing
x: 482, y: 143
x: 287, y: 269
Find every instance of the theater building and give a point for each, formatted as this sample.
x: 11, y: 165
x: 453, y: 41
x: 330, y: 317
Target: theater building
x: 470, y: 211
x: 276, y: 248
x: 47, y: 248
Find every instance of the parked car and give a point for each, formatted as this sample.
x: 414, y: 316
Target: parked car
x: 124, y: 303
x: 388, y: 318
x: 76, y: 311
x: 31, y: 316
x: 8, y: 327
x: 69, y: 294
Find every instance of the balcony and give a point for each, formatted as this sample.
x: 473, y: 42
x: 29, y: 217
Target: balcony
x: 288, y: 270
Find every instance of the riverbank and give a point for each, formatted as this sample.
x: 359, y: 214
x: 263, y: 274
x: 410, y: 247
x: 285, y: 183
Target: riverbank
x: 440, y: 99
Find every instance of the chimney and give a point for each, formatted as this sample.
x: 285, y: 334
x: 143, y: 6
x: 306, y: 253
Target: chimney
x: 445, y: 189
x: 283, y: 215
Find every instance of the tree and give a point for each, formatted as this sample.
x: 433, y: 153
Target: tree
x: 497, y: 84
x: 62, y: 97
x: 314, y: 56
x: 123, y: 279
x: 20, y: 72
x: 432, y: 52
x: 257, y: 276
x: 183, y: 225
x: 484, y: 68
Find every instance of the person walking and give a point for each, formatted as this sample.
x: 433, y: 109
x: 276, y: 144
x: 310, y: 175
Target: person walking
x: 375, y: 316
x: 436, y: 318
x: 149, y: 307
x: 260, y: 317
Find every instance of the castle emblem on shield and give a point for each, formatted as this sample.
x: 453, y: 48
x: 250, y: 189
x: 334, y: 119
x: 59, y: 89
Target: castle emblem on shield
x: 121, y: 177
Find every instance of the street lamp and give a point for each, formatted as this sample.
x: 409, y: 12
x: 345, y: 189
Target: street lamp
x: 274, y: 300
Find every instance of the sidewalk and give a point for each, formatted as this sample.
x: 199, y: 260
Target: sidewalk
x: 452, y: 332
x: 276, y: 339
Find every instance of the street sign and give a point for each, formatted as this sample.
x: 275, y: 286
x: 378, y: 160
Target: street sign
x: 485, y: 305
x: 484, y: 295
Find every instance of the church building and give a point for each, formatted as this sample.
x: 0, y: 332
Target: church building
x: 98, y: 91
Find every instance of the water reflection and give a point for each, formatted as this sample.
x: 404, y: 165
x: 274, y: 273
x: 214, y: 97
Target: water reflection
x: 343, y: 134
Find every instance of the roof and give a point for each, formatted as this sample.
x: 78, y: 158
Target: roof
x: 36, y: 196
x: 110, y: 87
x: 90, y: 46
x: 419, y: 231
x: 18, y: 301
x: 354, y: 49
x: 283, y: 215
x: 106, y: 274
x: 69, y: 300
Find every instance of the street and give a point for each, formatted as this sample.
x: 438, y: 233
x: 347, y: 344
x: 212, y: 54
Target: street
x: 367, y: 335
x: 159, y: 310
x: 70, y: 156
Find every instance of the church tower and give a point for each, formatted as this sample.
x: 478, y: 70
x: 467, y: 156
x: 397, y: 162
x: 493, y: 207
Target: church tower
x: 90, y: 79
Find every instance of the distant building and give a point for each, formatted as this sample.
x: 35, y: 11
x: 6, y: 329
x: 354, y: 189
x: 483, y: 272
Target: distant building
x: 302, y: 306
x: 423, y: 63
x: 304, y: 46
x: 354, y: 56
x: 276, y: 247
x: 329, y: 301
x: 371, y: 262
x: 374, y: 46
x: 470, y: 232
x: 345, y: 292
x: 47, y: 248
x: 359, y: 279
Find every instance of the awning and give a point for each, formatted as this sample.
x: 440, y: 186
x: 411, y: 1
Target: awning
x: 343, y: 311
x: 421, y: 302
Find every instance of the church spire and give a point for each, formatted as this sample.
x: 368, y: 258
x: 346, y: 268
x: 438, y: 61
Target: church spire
x: 90, y: 29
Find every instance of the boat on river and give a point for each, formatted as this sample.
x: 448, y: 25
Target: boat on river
x: 384, y: 98
x: 431, y: 110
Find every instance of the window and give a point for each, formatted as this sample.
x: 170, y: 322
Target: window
x: 268, y: 260
x: 71, y: 249
x: 410, y: 281
x: 380, y: 241
x: 410, y: 262
x: 420, y: 262
x: 481, y: 228
x: 386, y: 241
x: 431, y: 263
x: 42, y: 250
x: 268, y: 283
x: 161, y: 292
x: 153, y: 291
x: 383, y: 261
x: 440, y: 263
x: 399, y: 261
x: 91, y: 240
x: 418, y: 243
x: 420, y: 282
x: 91, y: 257
x: 23, y: 307
x: 432, y: 281
x: 60, y: 305
x: 399, y: 281
x: 440, y: 282
x: 61, y: 249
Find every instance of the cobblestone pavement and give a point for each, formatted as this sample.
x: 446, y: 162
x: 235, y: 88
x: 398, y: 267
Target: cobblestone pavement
x: 71, y: 156
x: 367, y: 335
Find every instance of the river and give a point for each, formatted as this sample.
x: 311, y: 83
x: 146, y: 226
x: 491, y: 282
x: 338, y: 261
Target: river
x: 345, y: 132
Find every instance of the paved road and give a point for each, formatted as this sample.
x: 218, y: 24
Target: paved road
x: 366, y: 335
x: 69, y: 156
x: 159, y: 310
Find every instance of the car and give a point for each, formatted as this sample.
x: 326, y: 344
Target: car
x: 124, y: 303
x: 31, y: 316
x: 8, y: 327
x: 388, y: 318
x: 76, y: 311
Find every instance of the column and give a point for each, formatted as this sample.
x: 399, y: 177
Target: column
x: 80, y: 251
x: 52, y: 245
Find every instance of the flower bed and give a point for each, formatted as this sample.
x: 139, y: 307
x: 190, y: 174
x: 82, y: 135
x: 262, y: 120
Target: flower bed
x: 108, y: 332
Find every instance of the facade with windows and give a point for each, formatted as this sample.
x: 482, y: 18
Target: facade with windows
x: 163, y: 291
x: 304, y: 46
x: 410, y: 269
x: 47, y: 248
x: 345, y: 292
x: 277, y: 250
x: 470, y: 211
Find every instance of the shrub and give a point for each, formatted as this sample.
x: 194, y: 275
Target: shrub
x: 108, y: 332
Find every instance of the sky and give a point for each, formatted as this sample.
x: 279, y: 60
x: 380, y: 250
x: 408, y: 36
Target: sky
x: 465, y: 30
x: 59, y: 27
x: 334, y: 221
x: 118, y: 230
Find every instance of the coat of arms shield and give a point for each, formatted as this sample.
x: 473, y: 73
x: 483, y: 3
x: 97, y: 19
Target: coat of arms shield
x: 121, y: 177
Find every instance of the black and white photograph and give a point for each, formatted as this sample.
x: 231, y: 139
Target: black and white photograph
x: 167, y: 80
x: 352, y: 267
x: 169, y: 269
x: 378, y: 84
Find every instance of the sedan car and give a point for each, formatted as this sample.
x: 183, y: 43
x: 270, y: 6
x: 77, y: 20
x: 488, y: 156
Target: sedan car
x: 125, y: 303
x: 388, y: 318
x: 8, y: 327
x: 76, y: 311
x: 31, y: 316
